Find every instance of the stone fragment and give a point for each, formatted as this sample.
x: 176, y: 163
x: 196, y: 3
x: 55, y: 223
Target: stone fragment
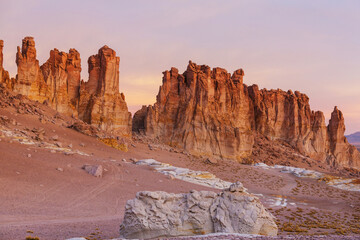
x: 95, y: 170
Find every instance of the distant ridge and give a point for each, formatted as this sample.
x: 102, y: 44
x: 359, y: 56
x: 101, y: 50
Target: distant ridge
x: 354, y: 139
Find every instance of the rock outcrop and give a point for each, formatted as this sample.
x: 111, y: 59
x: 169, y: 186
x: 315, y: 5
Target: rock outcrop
x: 29, y: 79
x: 4, y: 75
x: 62, y: 75
x: 204, y: 111
x: 209, y: 111
x: 161, y: 214
x: 101, y: 104
x: 57, y: 83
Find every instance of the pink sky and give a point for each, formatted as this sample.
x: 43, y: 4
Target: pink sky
x: 310, y: 46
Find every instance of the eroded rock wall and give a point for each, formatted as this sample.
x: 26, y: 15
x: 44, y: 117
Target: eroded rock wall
x: 62, y: 75
x: 4, y: 75
x: 100, y: 103
x: 57, y: 83
x: 29, y: 79
x: 204, y: 111
x: 209, y: 111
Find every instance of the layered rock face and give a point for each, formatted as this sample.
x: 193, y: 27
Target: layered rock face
x: 62, y: 76
x: 160, y: 214
x: 209, y: 111
x: 204, y: 111
x: 101, y: 104
x: 29, y: 79
x: 57, y: 82
x: 4, y: 75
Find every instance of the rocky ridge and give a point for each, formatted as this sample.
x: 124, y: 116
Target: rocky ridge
x: 209, y: 111
x: 57, y: 84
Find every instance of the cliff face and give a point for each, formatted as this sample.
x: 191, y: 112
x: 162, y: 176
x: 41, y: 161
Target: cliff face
x: 209, y: 111
x: 101, y: 104
x: 57, y: 82
x: 29, y: 79
x: 204, y: 111
x: 4, y: 75
x: 62, y: 75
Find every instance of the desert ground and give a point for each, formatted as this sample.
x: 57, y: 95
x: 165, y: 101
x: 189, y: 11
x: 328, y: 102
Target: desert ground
x: 46, y: 193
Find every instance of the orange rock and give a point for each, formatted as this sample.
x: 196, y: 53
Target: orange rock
x: 209, y: 112
x: 97, y: 102
x: 203, y: 111
x: 101, y: 104
x: 29, y: 79
x: 342, y: 153
x: 62, y: 75
x: 4, y: 75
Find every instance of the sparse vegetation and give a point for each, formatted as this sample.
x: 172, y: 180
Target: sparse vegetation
x: 114, y: 144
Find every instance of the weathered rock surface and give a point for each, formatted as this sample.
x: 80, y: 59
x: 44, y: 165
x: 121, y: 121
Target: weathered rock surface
x: 101, y: 104
x: 57, y: 83
x: 62, y: 75
x: 204, y: 111
x: 209, y: 111
x: 161, y: 214
x: 4, y: 75
x: 29, y: 79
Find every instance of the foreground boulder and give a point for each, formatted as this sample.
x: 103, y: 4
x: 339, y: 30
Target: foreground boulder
x: 161, y: 214
x: 211, y: 112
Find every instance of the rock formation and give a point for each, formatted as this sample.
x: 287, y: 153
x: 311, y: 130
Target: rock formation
x: 57, y: 83
x: 204, y: 111
x: 209, y: 111
x: 62, y: 75
x: 29, y: 79
x: 161, y: 214
x: 101, y: 104
x: 4, y: 75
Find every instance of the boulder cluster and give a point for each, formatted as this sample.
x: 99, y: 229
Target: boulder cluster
x: 58, y: 84
x: 210, y: 111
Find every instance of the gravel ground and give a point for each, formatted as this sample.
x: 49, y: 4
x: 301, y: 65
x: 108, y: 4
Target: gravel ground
x: 256, y: 237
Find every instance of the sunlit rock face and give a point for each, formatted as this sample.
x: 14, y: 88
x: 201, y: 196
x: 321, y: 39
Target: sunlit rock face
x: 100, y: 103
x: 29, y: 78
x: 4, y: 75
x: 204, y: 111
x: 57, y: 83
x: 343, y: 153
x: 62, y: 75
x: 211, y: 112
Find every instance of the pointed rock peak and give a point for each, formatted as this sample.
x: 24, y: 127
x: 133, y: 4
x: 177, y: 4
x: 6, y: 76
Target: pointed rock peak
x: 239, y: 72
x: 237, y: 76
x: 1, y: 53
x: 28, y: 50
x: 191, y: 66
x: 337, y: 114
x: 107, y: 52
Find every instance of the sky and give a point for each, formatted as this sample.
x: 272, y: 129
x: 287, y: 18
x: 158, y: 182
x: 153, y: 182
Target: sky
x: 306, y: 45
